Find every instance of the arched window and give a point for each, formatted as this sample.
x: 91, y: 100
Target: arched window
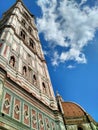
x: 26, y: 16
x: 24, y: 70
x: 29, y: 29
x: 34, y: 79
x: 44, y: 87
x: 12, y: 61
x: 23, y: 34
x: 80, y: 128
x: 23, y: 22
x: 31, y: 43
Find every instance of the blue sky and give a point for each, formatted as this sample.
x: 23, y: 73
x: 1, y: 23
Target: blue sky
x: 69, y: 35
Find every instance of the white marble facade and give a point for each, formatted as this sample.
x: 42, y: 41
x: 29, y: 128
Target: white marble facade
x: 27, y: 61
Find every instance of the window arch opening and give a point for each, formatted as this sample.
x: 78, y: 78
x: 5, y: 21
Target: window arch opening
x: 44, y: 87
x: 23, y: 22
x: 24, y: 70
x: 23, y: 34
x: 26, y: 16
x: 31, y: 43
x: 34, y: 79
x: 12, y: 61
x: 29, y: 29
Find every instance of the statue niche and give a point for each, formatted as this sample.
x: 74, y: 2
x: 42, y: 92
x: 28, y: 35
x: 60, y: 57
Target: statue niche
x: 12, y: 61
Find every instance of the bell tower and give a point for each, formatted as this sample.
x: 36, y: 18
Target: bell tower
x: 22, y: 52
x: 26, y: 92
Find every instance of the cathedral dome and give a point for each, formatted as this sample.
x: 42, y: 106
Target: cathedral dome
x: 72, y: 110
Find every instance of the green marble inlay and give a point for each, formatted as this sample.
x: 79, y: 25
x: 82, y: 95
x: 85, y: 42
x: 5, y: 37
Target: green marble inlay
x: 57, y: 124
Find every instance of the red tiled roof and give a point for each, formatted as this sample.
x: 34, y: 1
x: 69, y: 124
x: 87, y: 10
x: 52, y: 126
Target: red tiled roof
x: 72, y: 110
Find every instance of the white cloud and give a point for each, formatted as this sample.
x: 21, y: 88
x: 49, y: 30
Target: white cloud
x: 73, y: 54
x: 67, y: 24
x: 45, y: 52
x: 82, y: 2
x: 70, y: 67
x: 55, y: 59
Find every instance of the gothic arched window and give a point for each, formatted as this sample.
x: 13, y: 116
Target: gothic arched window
x: 29, y: 29
x: 12, y: 61
x: 26, y: 16
x: 44, y: 87
x: 23, y: 22
x: 24, y: 70
x: 23, y: 34
x: 31, y: 43
x: 34, y: 79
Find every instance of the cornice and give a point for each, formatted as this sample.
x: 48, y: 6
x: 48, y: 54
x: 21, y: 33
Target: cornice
x: 13, y: 6
x: 25, y: 8
x: 9, y: 13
